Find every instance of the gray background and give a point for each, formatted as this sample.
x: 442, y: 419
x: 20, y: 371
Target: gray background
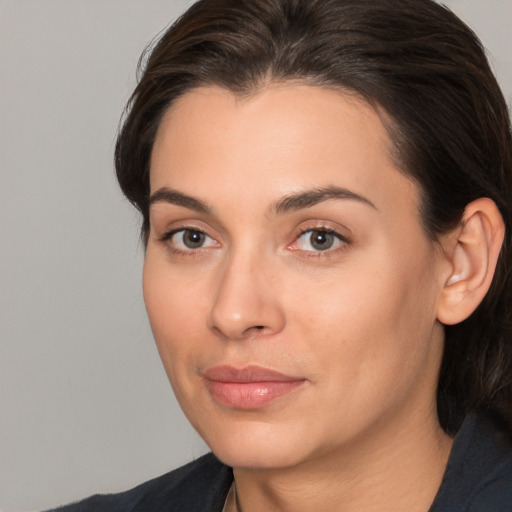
x: 84, y: 403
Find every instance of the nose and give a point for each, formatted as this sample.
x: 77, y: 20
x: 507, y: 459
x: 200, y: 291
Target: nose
x: 246, y: 303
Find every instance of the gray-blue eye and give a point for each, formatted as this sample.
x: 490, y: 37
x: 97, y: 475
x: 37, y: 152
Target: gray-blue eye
x: 186, y: 239
x: 318, y: 240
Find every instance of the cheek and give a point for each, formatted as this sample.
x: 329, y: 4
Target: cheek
x: 177, y: 313
x: 176, y: 309
x: 367, y: 323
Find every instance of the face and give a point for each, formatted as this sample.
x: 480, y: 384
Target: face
x: 289, y: 283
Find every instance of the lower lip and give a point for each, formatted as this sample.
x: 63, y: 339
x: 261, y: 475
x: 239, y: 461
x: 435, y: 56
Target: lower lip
x: 250, y: 395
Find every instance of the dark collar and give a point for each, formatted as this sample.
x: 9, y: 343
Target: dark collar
x: 478, y: 477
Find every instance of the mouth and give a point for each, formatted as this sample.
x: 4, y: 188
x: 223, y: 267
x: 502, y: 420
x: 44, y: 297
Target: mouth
x: 251, y: 387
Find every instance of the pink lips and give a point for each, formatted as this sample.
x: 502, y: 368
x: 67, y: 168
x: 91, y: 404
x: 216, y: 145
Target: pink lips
x: 248, y: 388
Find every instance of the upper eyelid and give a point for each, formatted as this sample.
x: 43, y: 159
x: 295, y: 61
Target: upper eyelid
x: 167, y: 225
x: 174, y: 246
x: 324, y: 229
x: 343, y: 240
x: 341, y: 232
x: 171, y: 232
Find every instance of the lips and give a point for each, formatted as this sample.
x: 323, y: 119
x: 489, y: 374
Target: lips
x: 251, y: 387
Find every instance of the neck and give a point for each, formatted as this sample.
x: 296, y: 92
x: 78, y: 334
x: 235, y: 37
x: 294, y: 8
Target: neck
x: 391, y: 468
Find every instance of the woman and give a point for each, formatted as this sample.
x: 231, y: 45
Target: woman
x: 326, y: 195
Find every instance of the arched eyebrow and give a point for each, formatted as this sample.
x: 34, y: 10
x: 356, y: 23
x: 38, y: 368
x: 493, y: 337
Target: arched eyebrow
x: 167, y: 195
x: 309, y: 198
x: 293, y: 202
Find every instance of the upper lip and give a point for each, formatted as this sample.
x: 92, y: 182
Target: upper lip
x: 247, y: 374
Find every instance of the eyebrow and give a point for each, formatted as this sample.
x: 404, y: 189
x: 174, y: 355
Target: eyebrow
x: 293, y: 202
x: 315, y: 196
x: 167, y: 195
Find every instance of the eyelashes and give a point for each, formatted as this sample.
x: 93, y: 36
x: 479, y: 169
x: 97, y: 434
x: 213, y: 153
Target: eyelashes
x: 317, y: 241
x: 185, y: 240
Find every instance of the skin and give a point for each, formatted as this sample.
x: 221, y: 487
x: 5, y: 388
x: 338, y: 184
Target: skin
x: 357, y: 323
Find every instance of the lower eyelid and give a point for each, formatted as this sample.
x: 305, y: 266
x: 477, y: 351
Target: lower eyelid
x: 179, y: 248
x: 340, y: 242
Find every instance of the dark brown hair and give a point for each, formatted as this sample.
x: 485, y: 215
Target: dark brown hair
x: 449, y: 123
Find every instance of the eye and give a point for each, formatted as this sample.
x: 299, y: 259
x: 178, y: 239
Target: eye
x: 319, y: 240
x: 188, y: 239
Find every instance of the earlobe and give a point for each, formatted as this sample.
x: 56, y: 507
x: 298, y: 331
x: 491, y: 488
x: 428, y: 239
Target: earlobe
x: 472, y: 249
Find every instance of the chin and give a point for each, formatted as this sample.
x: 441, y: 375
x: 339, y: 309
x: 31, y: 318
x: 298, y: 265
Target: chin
x: 255, y: 445
x: 257, y: 457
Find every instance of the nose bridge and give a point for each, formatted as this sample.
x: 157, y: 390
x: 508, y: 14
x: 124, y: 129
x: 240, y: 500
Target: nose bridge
x: 244, y: 304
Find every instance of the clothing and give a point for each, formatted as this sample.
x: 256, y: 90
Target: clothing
x: 478, y: 478
x: 200, y: 486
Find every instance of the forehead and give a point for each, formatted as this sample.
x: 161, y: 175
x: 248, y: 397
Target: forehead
x: 284, y: 137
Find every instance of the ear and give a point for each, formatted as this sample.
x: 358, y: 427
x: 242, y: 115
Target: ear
x: 471, y: 251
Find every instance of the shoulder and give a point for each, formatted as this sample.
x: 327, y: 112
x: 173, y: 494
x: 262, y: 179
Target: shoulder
x: 478, y: 477
x: 199, y: 486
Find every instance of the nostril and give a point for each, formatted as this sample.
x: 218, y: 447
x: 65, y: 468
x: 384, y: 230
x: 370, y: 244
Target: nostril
x: 252, y: 330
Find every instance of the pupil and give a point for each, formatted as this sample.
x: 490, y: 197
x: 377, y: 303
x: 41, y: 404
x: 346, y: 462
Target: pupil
x: 321, y: 240
x: 193, y: 239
